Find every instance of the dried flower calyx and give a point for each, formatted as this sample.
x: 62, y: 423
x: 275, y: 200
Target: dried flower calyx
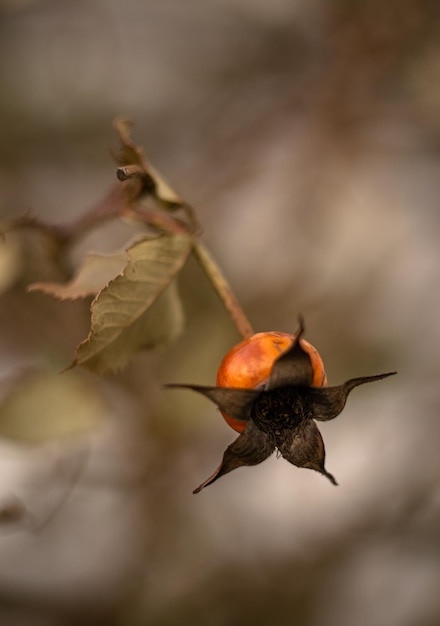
x: 280, y: 414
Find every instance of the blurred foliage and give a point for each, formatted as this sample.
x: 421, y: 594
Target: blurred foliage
x: 44, y: 406
x: 306, y: 134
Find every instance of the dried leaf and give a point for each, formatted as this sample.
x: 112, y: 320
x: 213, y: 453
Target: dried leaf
x: 95, y: 272
x: 138, y: 309
x: 131, y: 154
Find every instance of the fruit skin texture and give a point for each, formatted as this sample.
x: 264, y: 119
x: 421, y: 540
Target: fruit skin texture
x: 248, y: 364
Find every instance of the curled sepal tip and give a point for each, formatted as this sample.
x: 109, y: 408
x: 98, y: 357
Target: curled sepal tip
x: 235, y: 402
x: 250, y: 448
x: 328, y: 402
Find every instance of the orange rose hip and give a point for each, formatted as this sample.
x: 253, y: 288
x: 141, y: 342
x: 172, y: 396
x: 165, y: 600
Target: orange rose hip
x: 248, y: 364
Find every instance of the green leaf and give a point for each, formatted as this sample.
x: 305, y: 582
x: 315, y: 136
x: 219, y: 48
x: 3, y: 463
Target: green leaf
x: 95, y: 272
x: 139, y: 308
x: 44, y: 406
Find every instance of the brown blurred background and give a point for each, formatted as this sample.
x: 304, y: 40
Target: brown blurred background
x: 307, y: 135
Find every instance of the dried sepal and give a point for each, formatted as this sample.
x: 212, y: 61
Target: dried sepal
x: 292, y: 368
x: 236, y: 402
x: 328, y: 402
x: 250, y: 448
x: 304, y: 447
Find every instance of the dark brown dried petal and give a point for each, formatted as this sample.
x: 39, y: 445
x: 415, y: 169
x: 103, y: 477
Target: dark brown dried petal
x: 328, y: 402
x: 250, y: 448
x: 304, y: 447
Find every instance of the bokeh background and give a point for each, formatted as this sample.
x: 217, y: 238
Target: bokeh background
x: 307, y: 135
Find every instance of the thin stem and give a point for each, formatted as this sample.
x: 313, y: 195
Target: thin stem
x: 138, y: 167
x: 223, y: 289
